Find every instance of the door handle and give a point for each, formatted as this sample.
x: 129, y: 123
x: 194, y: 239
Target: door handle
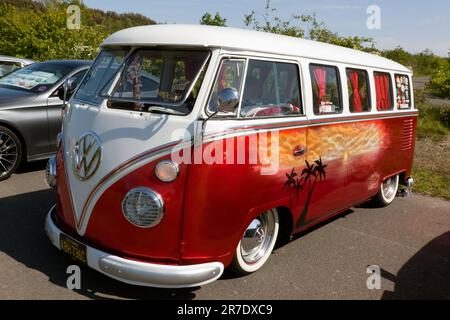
x: 299, y: 151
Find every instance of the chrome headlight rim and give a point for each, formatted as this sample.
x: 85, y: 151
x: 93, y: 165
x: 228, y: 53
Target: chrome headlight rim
x: 167, y: 162
x: 155, y: 197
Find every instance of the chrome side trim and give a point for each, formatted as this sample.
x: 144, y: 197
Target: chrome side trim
x: 246, y: 129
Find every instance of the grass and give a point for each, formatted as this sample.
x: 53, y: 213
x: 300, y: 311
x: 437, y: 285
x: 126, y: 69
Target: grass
x: 432, y: 183
x: 431, y: 124
x: 431, y: 169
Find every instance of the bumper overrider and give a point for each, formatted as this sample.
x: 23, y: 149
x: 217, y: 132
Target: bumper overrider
x: 140, y: 273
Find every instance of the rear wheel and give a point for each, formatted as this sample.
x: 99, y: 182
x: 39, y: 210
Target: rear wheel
x: 387, y: 192
x: 10, y: 153
x: 256, y: 244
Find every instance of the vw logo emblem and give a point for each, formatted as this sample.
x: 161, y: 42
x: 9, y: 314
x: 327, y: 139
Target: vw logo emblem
x: 86, y: 156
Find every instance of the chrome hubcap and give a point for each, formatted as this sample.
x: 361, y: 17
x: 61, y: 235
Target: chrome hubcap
x: 257, y: 238
x: 389, y: 187
x: 8, y: 153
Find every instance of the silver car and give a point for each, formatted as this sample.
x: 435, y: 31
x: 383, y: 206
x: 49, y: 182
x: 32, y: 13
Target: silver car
x: 30, y: 111
x: 9, y: 64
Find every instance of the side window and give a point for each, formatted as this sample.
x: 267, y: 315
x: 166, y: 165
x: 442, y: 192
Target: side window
x: 7, y: 67
x: 358, y: 90
x: 230, y: 75
x: 383, y: 90
x: 77, y: 76
x: 403, y: 90
x: 271, y: 89
x: 326, y: 89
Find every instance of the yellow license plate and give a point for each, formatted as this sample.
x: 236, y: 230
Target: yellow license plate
x: 73, y: 248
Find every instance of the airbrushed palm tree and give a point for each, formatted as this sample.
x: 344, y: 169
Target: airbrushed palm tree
x: 310, y: 174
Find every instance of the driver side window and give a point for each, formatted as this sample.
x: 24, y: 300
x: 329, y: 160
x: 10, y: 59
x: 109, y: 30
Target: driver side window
x: 230, y: 75
x: 272, y: 89
x: 77, y: 78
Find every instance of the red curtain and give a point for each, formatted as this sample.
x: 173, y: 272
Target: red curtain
x: 321, y: 75
x: 357, y: 105
x: 382, y: 91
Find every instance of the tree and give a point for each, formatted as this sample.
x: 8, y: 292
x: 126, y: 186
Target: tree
x: 301, y: 26
x: 440, y: 81
x: 38, y: 30
x: 306, y: 180
x: 399, y: 55
x: 208, y: 19
x: 274, y: 24
x: 426, y: 63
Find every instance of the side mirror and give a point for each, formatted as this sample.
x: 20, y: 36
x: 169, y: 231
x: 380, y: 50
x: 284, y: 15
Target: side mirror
x: 67, y: 89
x: 228, y: 100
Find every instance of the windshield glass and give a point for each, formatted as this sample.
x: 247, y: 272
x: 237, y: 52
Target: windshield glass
x: 150, y: 80
x: 101, y: 73
x: 37, y: 77
x: 153, y: 80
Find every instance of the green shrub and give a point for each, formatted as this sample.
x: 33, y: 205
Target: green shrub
x: 444, y: 115
x: 433, y: 122
x: 420, y: 96
x: 440, y: 81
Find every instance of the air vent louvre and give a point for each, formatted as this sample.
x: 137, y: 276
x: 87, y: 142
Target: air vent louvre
x: 407, y: 138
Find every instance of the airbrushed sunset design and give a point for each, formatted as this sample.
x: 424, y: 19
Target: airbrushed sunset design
x: 331, y: 142
x: 345, y: 141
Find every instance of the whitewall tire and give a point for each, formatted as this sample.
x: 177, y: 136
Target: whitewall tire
x: 388, y: 191
x: 257, y: 243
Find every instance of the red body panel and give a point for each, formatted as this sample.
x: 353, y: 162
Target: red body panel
x: 209, y: 206
x: 109, y: 228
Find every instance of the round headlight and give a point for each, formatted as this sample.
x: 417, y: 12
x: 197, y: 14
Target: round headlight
x: 143, y: 207
x: 166, y: 171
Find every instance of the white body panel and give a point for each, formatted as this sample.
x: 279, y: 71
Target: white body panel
x: 241, y: 39
x: 123, y: 135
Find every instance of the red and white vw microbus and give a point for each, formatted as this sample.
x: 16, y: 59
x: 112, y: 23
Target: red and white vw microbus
x: 188, y: 149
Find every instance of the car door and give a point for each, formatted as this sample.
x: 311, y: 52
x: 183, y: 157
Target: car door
x: 327, y: 142
x: 248, y: 156
x: 54, y: 109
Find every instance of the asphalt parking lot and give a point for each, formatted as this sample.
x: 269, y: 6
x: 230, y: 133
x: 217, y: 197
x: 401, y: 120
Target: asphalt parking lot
x: 409, y: 241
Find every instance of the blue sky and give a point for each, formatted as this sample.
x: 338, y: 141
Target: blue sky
x: 414, y: 25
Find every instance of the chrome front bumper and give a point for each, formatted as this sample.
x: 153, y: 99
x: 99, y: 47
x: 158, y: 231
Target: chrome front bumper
x: 141, y: 273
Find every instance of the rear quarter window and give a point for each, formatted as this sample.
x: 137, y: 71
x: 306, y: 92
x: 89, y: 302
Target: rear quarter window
x: 403, y: 91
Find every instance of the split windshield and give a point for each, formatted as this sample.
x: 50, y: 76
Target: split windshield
x: 150, y: 80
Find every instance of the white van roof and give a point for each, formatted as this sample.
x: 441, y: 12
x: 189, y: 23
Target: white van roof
x: 247, y: 40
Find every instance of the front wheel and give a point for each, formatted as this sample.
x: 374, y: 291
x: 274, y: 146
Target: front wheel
x: 10, y: 153
x: 387, y: 192
x: 256, y: 244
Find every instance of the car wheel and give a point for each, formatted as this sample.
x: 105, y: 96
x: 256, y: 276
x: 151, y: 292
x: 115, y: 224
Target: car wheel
x: 256, y: 244
x: 387, y: 192
x: 10, y: 153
